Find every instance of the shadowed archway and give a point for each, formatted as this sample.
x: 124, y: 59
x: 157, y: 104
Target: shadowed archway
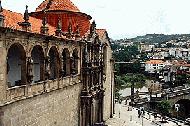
x: 74, y: 63
x: 16, y: 65
x: 54, y: 63
x: 183, y: 110
x: 38, y: 63
x: 66, y: 62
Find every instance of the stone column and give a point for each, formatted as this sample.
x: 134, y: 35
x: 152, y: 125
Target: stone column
x: 47, y: 68
x: 89, y: 111
x: 29, y: 70
x: 24, y: 70
x: 3, y: 72
x: 42, y: 69
x: 68, y: 66
x: 72, y: 66
x: 62, y: 71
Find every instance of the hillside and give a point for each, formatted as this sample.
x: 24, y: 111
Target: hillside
x: 158, y: 38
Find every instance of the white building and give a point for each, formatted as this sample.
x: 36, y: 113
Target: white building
x: 152, y: 66
x: 180, y: 53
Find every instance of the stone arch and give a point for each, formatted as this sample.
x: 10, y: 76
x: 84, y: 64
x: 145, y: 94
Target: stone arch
x: 183, y: 110
x: 16, y: 65
x: 36, y: 45
x: 66, y: 62
x: 37, y: 56
x: 16, y: 43
x: 54, y: 63
x: 74, y: 63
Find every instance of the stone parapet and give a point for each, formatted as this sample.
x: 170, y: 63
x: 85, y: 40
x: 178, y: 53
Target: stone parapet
x: 27, y: 91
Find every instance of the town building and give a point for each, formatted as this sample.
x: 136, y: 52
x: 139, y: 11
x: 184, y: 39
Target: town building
x: 153, y: 66
x: 146, y: 47
x: 181, y: 53
x: 56, y: 68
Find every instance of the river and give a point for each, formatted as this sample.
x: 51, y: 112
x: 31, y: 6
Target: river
x: 149, y: 83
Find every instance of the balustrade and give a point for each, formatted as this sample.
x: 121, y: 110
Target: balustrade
x: 24, y: 91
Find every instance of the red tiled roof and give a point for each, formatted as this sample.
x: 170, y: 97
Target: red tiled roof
x: 179, y: 63
x: 154, y: 62
x: 58, y: 5
x: 101, y: 32
x: 12, y: 19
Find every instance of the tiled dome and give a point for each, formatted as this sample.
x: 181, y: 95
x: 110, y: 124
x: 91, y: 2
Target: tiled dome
x: 57, y: 5
x: 66, y: 11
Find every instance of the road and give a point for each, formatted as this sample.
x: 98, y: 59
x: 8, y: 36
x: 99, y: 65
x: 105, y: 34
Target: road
x: 125, y: 117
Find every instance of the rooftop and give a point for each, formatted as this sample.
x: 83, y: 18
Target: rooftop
x: 12, y: 19
x: 154, y: 62
x: 57, y: 5
x: 101, y: 32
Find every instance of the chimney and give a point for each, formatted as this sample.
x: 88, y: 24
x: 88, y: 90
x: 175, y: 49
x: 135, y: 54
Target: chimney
x: 44, y: 27
x: 25, y: 25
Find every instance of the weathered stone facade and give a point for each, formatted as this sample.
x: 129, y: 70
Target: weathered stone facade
x: 55, y: 80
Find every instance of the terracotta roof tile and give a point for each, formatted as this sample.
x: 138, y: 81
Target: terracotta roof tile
x: 154, y: 62
x: 101, y: 32
x: 58, y: 5
x: 12, y: 19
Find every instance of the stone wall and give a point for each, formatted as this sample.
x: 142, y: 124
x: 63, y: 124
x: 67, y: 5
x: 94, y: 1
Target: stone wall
x: 56, y: 108
x: 49, y: 102
x: 46, y: 103
x: 108, y: 83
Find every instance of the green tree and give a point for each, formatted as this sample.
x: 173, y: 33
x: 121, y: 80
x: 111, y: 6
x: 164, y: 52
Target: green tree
x: 138, y: 79
x: 119, y: 85
x: 125, y: 54
x: 181, y: 79
x: 164, y: 108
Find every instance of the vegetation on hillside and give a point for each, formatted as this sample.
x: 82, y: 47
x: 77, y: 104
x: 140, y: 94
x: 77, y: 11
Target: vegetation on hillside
x: 124, y: 54
x: 158, y: 38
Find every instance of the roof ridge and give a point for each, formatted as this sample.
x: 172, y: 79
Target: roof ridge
x: 100, y: 29
x: 58, y: 5
x: 12, y: 11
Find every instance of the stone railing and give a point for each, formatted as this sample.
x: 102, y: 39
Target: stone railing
x: 27, y: 91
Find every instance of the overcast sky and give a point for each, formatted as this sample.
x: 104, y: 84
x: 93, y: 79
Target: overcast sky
x: 127, y: 18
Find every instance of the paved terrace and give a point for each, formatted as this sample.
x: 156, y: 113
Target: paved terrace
x: 125, y: 117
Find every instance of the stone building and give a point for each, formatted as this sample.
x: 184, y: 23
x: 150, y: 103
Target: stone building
x: 56, y: 68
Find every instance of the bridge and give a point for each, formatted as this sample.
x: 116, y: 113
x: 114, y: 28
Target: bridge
x: 126, y: 62
x: 178, y: 95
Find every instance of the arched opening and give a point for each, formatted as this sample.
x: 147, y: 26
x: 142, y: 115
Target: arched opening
x: 16, y: 65
x: 54, y: 63
x: 74, y: 64
x: 183, y: 110
x: 66, y: 62
x: 38, y: 64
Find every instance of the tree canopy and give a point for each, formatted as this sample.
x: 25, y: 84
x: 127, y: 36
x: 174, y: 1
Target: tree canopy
x: 164, y: 108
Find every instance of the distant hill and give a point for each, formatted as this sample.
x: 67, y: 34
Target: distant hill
x: 158, y: 38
